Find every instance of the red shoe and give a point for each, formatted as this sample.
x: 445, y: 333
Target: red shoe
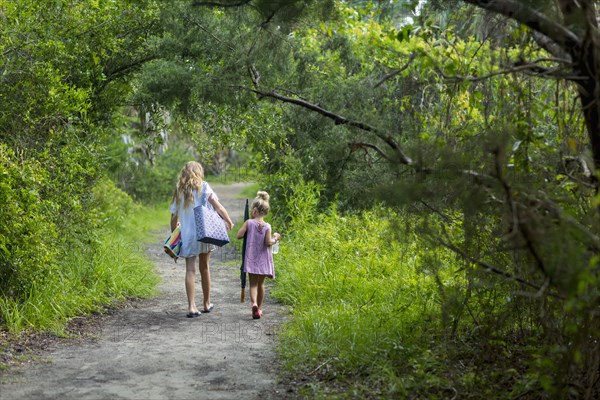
x: 259, y: 313
x: 255, y: 312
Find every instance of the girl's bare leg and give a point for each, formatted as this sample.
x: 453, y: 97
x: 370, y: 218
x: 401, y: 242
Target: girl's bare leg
x: 254, y: 295
x: 205, y: 277
x: 260, y: 291
x: 190, y: 283
x: 253, y: 288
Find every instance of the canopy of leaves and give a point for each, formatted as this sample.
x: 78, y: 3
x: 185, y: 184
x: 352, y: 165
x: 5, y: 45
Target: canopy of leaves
x: 435, y: 112
x: 63, y: 74
x: 438, y: 117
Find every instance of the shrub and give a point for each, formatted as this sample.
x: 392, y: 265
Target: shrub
x: 62, y: 256
x: 27, y: 232
x: 359, y: 302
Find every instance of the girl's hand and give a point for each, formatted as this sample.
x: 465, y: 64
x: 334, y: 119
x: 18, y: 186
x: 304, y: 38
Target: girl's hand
x: 276, y: 236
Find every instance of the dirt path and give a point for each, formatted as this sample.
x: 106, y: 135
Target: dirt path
x: 150, y: 350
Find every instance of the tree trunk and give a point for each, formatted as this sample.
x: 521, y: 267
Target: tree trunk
x: 588, y: 66
x: 590, y: 103
x: 575, y: 32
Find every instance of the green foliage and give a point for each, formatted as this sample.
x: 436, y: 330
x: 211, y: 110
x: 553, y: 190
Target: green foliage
x: 42, y: 43
x: 62, y: 75
x: 487, y: 185
x: 152, y: 184
x: 297, y: 200
x: 379, y: 308
x: 27, y: 229
x: 364, y: 306
x: 480, y: 278
x: 94, y: 270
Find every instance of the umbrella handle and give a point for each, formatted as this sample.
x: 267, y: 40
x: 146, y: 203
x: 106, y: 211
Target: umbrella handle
x: 242, y: 296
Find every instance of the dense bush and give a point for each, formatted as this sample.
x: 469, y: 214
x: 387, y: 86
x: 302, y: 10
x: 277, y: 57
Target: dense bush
x: 364, y: 304
x: 84, y: 266
x: 381, y: 309
x: 63, y: 78
x: 28, y: 231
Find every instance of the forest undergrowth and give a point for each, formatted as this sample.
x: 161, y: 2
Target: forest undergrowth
x: 378, y: 311
x: 95, y: 269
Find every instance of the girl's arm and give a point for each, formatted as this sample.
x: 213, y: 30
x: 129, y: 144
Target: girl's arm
x: 242, y: 230
x: 271, y: 240
x: 222, y: 211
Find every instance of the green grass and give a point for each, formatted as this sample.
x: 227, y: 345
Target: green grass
x: 363, y: 311
x: 89, y: 278
x: 249, y: 192
x: 147, y: 220
x: 379, y: 312
x: 354, y: 296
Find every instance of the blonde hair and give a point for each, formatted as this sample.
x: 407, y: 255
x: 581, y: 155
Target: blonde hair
x: 261, y: 203
x: 190, y: 178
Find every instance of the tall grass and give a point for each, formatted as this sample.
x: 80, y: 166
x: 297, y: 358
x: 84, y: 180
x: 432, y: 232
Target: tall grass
x: 90, y: 276
x: 380, y: 310
x: 361, y: 304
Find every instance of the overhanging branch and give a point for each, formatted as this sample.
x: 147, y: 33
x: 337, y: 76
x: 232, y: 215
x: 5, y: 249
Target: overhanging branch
x: 339, y: 120
x: 398, y: 71
x: 524, y: 14
x: 219, y: 4
x: 362, y: 145
x: 529, y: 67
x: 495, y: 270
x: 122, y: 70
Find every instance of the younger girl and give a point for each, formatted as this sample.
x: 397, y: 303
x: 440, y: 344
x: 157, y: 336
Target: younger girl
x: 187, y: 195
x: 258, y: 258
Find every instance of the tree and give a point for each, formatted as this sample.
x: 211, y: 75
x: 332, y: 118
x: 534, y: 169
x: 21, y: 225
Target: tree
x: 568, y: 31
x: 64, y: 73
x: 427, y: 119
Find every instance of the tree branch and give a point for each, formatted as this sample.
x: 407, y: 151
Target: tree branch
x: 339, y: 120
x: 398, y: 71
x: 551, y: 46
x: 219, y: 4
x: 518, y: 222
x: 492, y: 269
x: 362, y: 145
x: 209, y: 32
x: 123, y: 69
x: 523, y: 67
x: 537, y: 21
x: 592, y: 239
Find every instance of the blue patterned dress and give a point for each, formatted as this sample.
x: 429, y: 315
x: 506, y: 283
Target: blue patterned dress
x: 259, y: 259
x: 190, y: 247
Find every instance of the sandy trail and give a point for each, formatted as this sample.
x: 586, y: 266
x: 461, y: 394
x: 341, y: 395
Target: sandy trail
x: 150, y: 350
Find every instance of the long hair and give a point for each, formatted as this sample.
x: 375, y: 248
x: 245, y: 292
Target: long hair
x: 190, y: 179
x: 261, y: 203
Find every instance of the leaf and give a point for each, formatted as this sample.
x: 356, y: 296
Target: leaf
x: 404, y: 33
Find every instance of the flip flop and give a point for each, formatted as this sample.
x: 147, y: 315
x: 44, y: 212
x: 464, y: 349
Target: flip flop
x: 210, y: 308
x: 193, y: 314
x: 255, y: 312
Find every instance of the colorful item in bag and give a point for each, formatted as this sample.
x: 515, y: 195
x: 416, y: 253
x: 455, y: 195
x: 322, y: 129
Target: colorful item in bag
x: 173, y: 243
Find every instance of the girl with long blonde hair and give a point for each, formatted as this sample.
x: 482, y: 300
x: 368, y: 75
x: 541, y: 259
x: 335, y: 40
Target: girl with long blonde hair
x: 190, y: 185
